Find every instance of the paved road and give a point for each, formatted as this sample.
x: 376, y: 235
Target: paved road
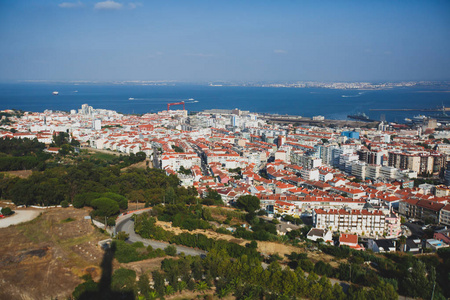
x: 416, y: 230
x: 18, y: 217
x: 126, y: 224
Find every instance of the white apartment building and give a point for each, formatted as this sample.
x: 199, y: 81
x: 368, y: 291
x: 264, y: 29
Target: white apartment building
x: 307, y: 162
x: 363, y: 221
x: 359, y: 169
x: 176, y: 160
x: 373, y: 171
x: 388, y: 172
x: 312, y: 175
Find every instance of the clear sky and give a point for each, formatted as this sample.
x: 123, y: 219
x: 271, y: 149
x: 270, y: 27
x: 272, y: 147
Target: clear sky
x: 248, y: 40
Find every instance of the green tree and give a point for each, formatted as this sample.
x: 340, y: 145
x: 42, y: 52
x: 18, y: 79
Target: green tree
x: 65, y: 149
x: 144, y: 285
x: 60, y: 139
x: 416, y: 283
x: 158, y: 283
x: 248, y: 202
x: 89, y: 286
x: 123, y: 280
x: 337, y: 292
x: 170, y: 250
x: 122, y: 235
x: 141, y: 156
x: 105, y: 207
x: 402, y: 242
x: 170, y: 196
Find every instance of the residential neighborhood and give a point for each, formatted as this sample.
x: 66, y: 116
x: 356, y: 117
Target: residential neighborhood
x: 363, y: 182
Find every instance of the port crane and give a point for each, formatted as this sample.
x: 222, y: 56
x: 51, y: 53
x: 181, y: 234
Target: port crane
x: 175, y: 103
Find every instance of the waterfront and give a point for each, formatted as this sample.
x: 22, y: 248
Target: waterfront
x: 308, y: 102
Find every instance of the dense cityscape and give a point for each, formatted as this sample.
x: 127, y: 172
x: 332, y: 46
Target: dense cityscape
x: 367, y: 187
x: 236, y: 150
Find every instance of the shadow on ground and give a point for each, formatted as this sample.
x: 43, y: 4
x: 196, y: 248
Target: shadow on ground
x: 104, y: 290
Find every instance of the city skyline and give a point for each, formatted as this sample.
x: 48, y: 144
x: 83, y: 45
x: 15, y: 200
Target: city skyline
x: 229, y: 41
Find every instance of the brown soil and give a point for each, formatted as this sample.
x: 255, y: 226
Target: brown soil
x: 144, y: 266
x: 139, y: 165
x: 45, y: 257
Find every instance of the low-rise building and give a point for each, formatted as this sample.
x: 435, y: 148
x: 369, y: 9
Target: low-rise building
x: 315, y: 234
x: 381, y: 246
x: 421, y: 209
x: 350, y: 240
x: 444, y: 215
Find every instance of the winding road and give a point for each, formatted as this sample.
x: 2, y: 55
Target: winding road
x: 125, y: 223
x: 18, y: 217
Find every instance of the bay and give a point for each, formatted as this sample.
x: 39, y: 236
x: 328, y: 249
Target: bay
x: 308, y: 102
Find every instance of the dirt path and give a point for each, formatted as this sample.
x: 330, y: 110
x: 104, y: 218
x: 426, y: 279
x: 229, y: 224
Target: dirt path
x: 20, y: 216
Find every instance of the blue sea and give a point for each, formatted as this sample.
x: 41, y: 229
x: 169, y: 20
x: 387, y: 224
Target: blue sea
x: 307, y: 102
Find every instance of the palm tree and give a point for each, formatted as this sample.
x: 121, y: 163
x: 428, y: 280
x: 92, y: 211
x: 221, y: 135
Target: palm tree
x: 202, y: 286
x: 224, y: 292
x: 152, y: 295
x: 235, y: 282
x: 169, y: 290
x: 182, y: 285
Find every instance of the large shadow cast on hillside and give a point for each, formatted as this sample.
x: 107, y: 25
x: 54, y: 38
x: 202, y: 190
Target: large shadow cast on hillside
x: 104, y: 291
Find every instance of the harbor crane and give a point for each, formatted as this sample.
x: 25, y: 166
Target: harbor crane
x: 175, y: 103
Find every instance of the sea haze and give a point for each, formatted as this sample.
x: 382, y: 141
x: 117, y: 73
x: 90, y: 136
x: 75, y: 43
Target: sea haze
x: 308, y: 102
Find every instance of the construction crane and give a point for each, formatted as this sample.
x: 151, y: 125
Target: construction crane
x: 175, y: 103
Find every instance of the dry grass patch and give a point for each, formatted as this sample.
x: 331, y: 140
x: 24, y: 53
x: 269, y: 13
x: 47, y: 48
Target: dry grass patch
x: 45, y: 257
x: 20, y: 173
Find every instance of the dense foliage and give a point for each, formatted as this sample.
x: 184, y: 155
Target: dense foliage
x: 84, y: 182
x: 146, y: 227
x: 413, y: 276
x: 248, y: 203
x: 127, y: 253
x: 242, y: 275
x: 22, y: 154
x: 185, y: 217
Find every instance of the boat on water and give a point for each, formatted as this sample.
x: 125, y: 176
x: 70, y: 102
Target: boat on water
x: 55, y: 93
x: 130, y: 98
x: 419, y: 117
x: 360, y: 117
x: 442, y: 116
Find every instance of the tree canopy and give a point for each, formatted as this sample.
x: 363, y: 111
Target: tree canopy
x: 248, y: 202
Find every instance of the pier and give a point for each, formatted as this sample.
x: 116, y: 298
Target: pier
x: 411, y: 109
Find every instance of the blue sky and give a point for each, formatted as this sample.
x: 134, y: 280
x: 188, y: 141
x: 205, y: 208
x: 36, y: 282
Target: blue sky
x: 190, y: 40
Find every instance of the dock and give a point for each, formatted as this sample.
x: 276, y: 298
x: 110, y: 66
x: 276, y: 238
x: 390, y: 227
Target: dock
x: 411, y: 109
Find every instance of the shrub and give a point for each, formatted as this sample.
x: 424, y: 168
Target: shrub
x: 122, y: 235
x: 6, y: 211
x: 68, y: 220
x: 171, y: 250
x: 65, y: 204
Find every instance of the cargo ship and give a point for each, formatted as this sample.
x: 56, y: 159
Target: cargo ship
x: 360, y: 117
